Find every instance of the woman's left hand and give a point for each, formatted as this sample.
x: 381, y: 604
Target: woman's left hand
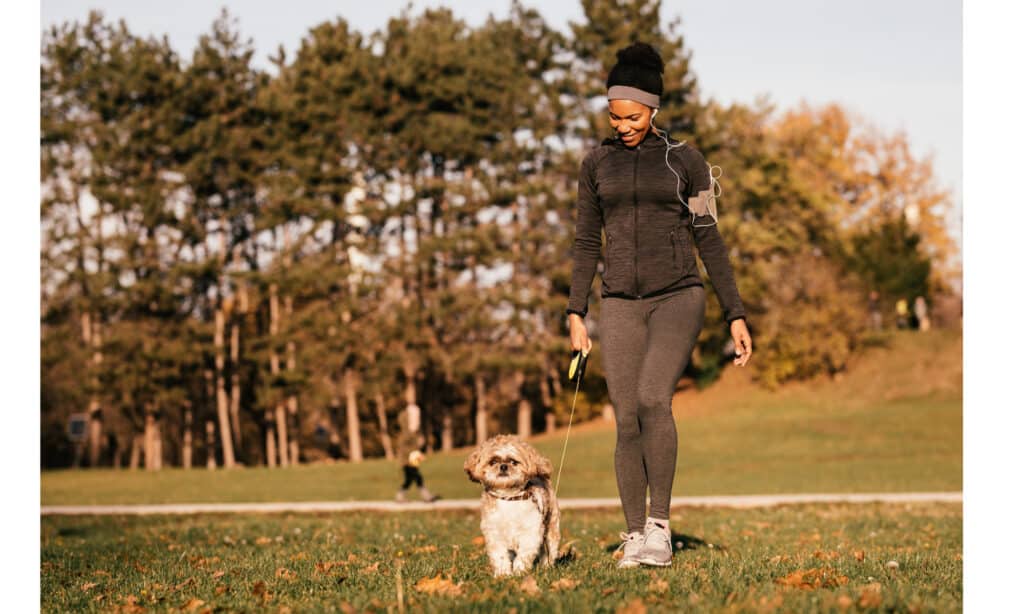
x: 741, y: 337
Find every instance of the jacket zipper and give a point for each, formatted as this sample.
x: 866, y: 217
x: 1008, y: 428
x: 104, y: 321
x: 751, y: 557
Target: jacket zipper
x: 636, y: 247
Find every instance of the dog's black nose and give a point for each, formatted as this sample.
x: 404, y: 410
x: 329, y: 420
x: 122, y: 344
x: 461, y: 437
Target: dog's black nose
x: 503, y: 468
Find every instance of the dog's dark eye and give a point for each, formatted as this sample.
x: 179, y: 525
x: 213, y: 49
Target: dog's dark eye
x: 512, y: 462
x: 494, y: 461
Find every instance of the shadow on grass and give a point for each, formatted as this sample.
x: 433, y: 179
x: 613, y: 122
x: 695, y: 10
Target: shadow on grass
x: 72, y: 532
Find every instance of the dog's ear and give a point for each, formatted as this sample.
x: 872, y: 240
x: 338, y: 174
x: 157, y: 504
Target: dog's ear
x: 539, y: 465
x: 470, y: 466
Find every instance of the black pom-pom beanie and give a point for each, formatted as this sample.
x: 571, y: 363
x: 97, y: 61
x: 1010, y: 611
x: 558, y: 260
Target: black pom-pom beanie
x: 639, y: 67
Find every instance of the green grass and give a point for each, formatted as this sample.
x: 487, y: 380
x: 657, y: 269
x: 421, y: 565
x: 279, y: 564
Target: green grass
x: 793, y: 447
x: 731, y: 560
x: 892, y: 423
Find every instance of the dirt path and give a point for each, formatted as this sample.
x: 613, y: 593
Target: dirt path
x: 468, y: 504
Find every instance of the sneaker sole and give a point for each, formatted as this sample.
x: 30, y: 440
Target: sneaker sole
x: 628, y: 565
x: 654, y: 562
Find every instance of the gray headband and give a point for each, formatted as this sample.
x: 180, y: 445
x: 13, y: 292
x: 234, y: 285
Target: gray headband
x: 626, y: 92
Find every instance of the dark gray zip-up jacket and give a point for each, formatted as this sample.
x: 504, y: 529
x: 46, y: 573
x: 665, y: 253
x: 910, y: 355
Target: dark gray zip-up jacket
x: 632, y: 194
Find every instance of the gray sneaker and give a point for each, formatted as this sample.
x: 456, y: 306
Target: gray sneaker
x: 657, y: 546
x: 630, y: 546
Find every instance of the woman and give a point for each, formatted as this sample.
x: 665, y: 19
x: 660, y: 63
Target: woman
x: 653, y: 196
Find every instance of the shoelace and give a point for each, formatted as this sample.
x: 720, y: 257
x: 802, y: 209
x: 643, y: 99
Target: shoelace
x: 625, y: 537
x: 661, y: 534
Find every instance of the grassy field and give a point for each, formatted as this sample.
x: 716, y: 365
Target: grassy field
x: 810, y: 558
x: 892, y: 423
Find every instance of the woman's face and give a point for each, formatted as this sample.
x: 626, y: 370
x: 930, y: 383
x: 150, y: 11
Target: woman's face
x: 630, y: 119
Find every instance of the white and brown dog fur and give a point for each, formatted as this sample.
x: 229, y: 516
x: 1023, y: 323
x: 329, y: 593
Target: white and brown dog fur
x: 519, y: 516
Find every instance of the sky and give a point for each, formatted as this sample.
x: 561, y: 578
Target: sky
x: 897, y: 64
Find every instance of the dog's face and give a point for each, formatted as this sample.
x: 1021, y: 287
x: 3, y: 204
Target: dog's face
x: 506, y: 462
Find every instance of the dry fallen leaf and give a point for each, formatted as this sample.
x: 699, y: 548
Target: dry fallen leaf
x: 858, y: 554
x: 870, y: 596
x: 658, y: 585
x: 430, y: 548
x: 844, y: 602
x: 89, y: 586
x: 262, y: 541
x: 478, y: 540
x: 325, y: 567
x: 439, y: 586
x: 608, y: 591
x: 218, y: 574
x: 259, y: 588
x: 808, y: 579
x: 192, y: 604
x: 529, y: 586
x: 287, y: 574
x: 633, y: 607
x: 564, y: 584
x: 371, y: 568
x: 130, y: 606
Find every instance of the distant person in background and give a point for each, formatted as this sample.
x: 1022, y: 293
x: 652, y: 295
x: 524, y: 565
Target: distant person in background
x: 921, y: 314
x: 875, y: 307
x: 902, y: 313
x: 409, y: 454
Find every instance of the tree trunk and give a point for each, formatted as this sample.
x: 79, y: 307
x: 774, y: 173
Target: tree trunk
x: 158, y: 444
x: 149, y: 445
x: 271, y: 448
x: 242, y: 308
x: 293, y: 400
x: 293, y: 421
x: 355, y: 443
x: 133, y: 459
x: 281, y: 426
x: 481, y: 408
x: 524, y: 417
x: 211, y: 449
x: 236, y: 390
x: 186, y: 438
x: 275, y: 369
x: 223, y: 417
x: 91, y: 337
x: 546, y: 400
x: 446, y: 431
x: 382, y: 421
x: 116, y: 453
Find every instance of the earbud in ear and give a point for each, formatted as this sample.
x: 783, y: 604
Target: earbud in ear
x: 653, y: 114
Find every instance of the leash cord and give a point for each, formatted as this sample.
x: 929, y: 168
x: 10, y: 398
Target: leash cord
x: 561, y: 463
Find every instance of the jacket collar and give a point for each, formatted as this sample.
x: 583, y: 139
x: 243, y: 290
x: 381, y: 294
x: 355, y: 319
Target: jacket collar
x: 650, y: 140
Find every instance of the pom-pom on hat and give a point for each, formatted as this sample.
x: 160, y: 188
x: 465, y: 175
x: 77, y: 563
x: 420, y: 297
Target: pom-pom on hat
x: 636, y: 75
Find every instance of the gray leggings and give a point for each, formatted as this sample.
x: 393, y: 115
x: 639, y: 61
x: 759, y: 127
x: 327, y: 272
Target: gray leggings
x: 645, y: 346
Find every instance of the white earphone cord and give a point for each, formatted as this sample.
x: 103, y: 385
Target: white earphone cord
x: 716, y: 188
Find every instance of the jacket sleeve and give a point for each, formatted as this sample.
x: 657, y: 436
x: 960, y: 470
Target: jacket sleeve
x: 587, y: 245
x: 713, y: 251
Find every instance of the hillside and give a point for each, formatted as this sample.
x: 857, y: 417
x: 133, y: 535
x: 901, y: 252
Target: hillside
x: 893, y: 422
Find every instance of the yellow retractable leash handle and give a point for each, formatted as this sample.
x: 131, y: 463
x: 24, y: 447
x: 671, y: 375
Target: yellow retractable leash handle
x: 577, y: 366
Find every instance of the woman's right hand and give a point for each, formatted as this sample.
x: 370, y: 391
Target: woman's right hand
x: 578, y: 336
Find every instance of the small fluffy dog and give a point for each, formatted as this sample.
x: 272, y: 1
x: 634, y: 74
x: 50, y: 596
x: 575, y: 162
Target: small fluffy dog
x: 519, y: 516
